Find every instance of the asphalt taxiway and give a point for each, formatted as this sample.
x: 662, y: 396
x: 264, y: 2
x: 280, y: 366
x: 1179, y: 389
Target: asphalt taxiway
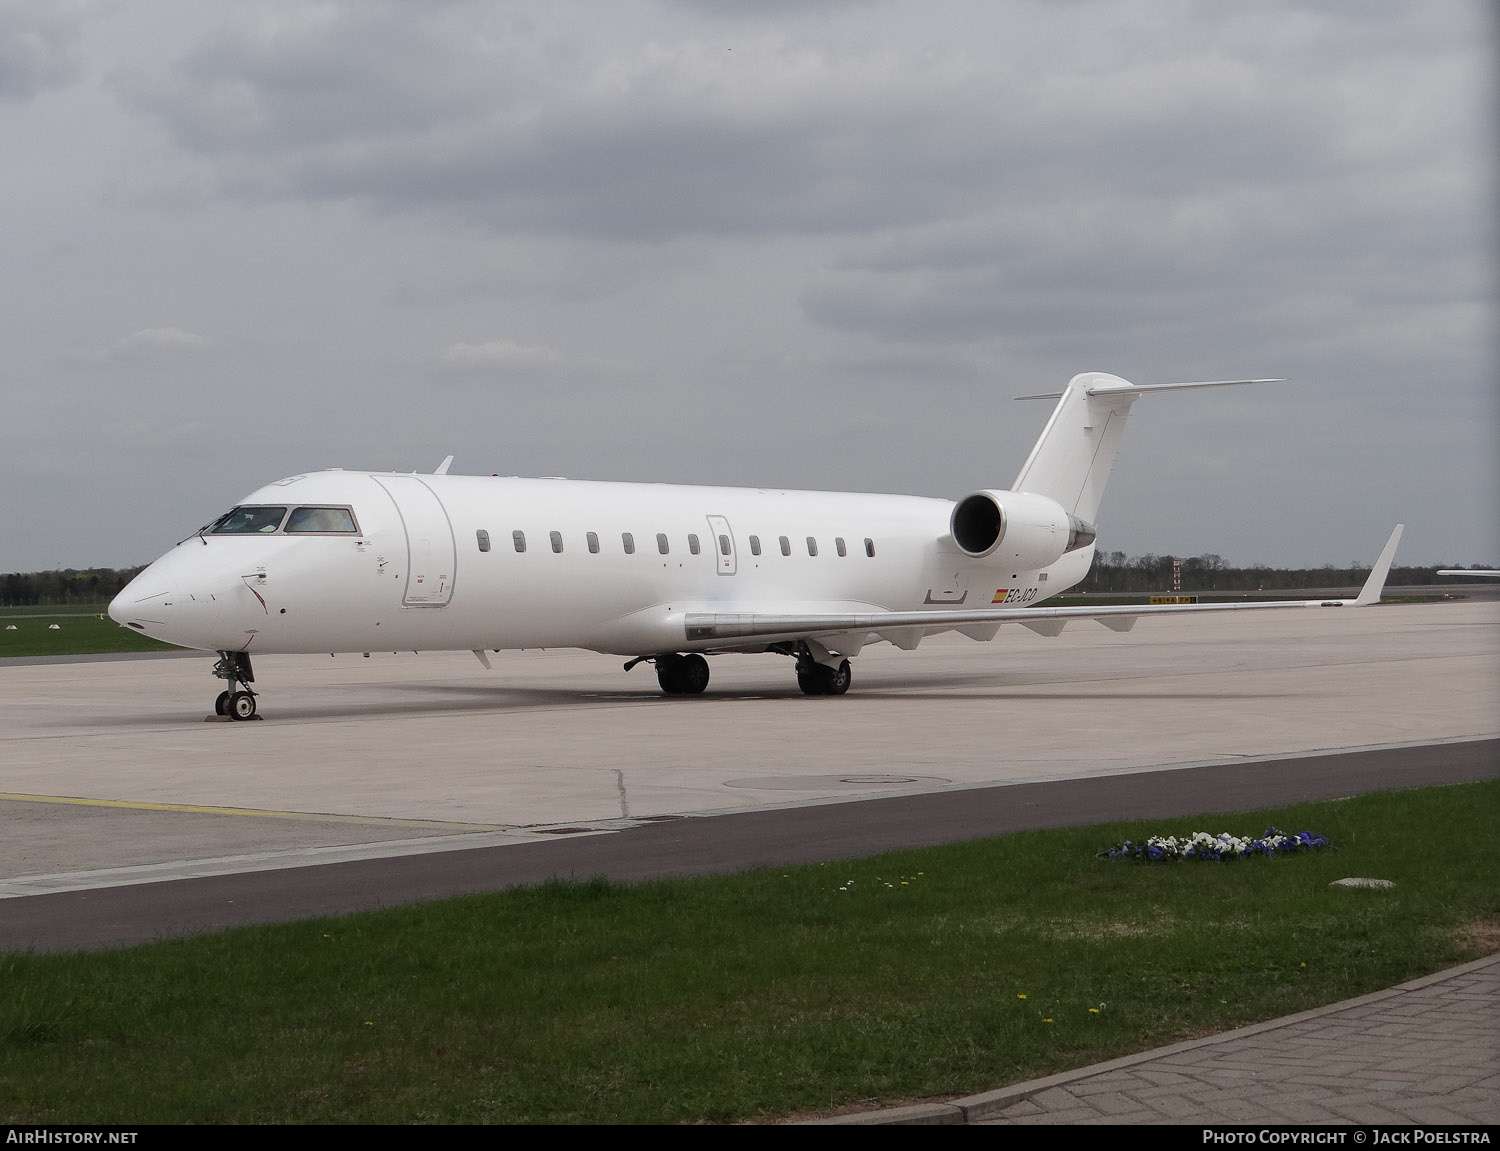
x: 124, y: 814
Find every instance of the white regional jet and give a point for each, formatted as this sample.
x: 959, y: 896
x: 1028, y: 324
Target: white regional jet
x: 343, y: 561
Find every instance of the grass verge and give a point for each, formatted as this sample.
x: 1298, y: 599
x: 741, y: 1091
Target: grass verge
x: 936, y: 972
x: 81, y: 630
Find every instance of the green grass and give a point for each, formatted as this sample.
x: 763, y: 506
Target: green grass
x: 82, y: 629
x: 939, y: 972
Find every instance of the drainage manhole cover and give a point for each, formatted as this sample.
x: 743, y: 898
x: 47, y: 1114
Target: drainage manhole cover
x: 834, y: 782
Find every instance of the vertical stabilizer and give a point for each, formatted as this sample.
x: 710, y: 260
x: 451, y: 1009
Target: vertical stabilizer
x: 1073, y: 457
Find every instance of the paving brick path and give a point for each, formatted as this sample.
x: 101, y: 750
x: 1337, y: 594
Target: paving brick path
x: 1426, y: 1052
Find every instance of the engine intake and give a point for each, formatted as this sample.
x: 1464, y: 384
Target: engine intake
x: 1030, y: 531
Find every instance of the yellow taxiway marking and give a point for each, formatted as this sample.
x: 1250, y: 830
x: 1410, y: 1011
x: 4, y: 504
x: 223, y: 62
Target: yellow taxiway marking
x: 132, y: 805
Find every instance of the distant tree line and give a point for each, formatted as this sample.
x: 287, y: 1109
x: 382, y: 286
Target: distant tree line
x: 1114, y: 572
x: 64, y: 587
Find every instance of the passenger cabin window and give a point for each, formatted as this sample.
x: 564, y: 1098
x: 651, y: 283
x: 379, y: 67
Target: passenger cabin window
x: 320, y: 520
x: 629, y: 541
x: 755, y: 545
x: 869, y: 547
x: 693, y: 545
x: 786, y: 546
x: 520, y: 540
x: 661, y: 543
x: 812, y: 546
x: 248, y: 521
x: 556, y: 538
x: 484, y: 539
x: 838, y: 543
x: 593, y: 538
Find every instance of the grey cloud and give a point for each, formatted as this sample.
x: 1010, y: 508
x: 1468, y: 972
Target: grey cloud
x: 154, y: 343
x: 641, y: 138
x: 165, y: 338
x: 619, y: 170
x: 39, y: 42
x: 499, y: 353
x: 760, y: 10
x: 642, y: 130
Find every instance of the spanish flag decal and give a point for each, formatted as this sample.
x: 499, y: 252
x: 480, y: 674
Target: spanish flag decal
x: 1000, y: 595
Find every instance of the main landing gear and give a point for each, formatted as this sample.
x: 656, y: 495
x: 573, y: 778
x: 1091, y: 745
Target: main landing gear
x: 688, y: 674
x: 238, y: 702
x: 682, y: 674
x: 677, y: 674
x: 816, y: 678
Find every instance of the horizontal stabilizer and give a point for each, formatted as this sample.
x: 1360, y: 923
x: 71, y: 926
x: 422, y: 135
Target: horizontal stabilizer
x: 1157, y: 387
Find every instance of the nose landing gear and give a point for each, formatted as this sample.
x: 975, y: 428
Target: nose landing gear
x: 238, y: 702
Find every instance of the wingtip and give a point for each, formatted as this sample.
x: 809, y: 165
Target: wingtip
x: 1375, y: 585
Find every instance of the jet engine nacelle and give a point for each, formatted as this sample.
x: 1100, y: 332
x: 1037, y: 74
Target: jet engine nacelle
x: 1029, y: 531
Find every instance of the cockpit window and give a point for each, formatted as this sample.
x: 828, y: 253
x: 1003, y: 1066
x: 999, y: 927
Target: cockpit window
x: 321, y: 520
x: 259, y: 520
x: 249, y: 521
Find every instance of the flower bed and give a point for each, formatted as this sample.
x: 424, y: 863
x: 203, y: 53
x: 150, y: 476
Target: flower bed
x: 1202, y: 845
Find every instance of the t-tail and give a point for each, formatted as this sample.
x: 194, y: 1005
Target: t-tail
x: 1076, y: 451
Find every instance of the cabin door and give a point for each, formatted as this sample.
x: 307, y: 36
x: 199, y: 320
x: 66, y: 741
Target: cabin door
x: 723, y: 543
x: 430, y: 552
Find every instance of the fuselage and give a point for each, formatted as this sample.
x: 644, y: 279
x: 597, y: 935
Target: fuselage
x: 438, y: 562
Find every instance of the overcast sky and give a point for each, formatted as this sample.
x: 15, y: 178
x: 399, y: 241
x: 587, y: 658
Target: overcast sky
x: 789, y: 243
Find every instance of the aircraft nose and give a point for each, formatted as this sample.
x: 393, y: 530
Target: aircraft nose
x: 143, y: 606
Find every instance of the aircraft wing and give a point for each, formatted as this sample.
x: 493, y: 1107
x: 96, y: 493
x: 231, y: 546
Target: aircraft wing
x: 1047, y: 621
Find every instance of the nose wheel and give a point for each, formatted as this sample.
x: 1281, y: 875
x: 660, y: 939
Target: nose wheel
x: 238, y: 702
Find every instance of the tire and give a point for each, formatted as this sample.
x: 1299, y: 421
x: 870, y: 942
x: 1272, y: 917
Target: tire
x: 694, y: 674
x: 838, y: 679
x: 241, y: 705
x: 820, y: 679
x: 670, y: 674
x: 221, y: 705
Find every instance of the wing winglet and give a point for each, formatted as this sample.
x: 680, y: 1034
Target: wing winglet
x: 1370, y: 593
